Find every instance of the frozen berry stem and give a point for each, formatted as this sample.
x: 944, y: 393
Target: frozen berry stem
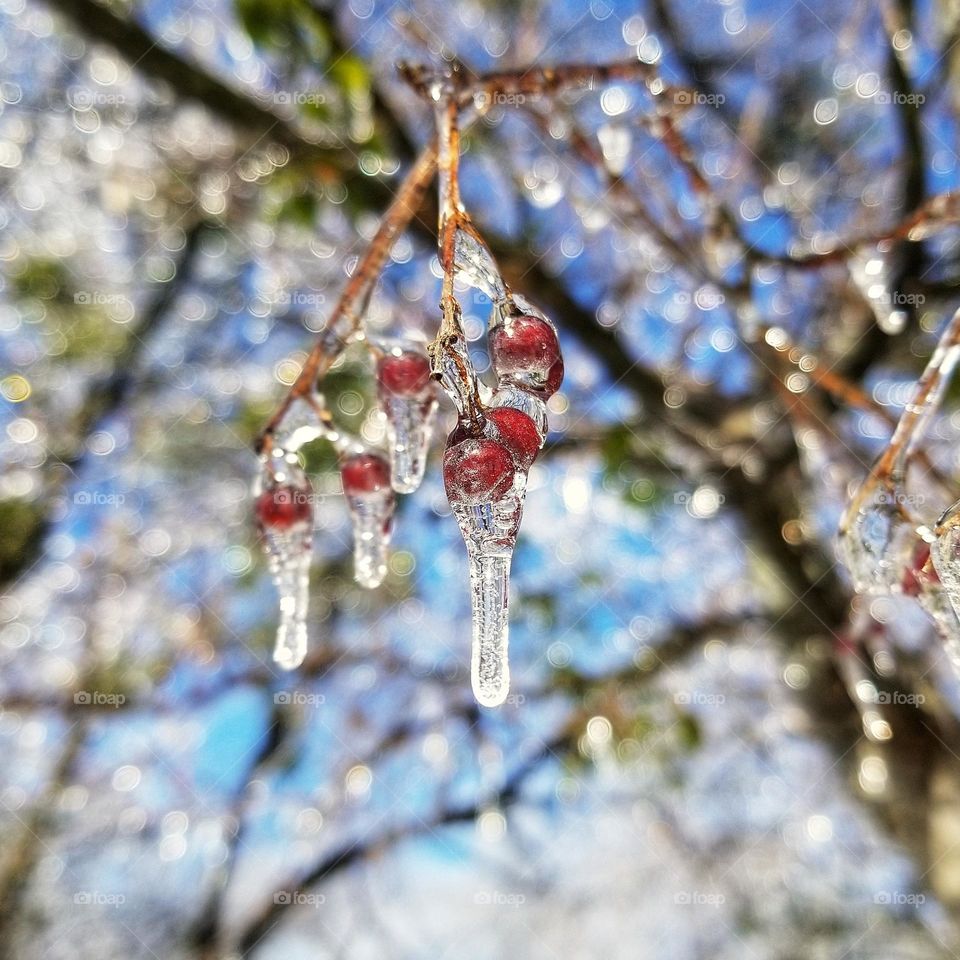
x: 488, y: 454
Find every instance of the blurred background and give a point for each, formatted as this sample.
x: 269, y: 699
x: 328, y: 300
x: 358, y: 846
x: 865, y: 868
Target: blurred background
x: 710, y: 749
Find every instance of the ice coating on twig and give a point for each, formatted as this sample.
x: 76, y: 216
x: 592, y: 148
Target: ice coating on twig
x: 879, y: 529
x: 475, y: 263
x: 408, y: 398
x: 942, y: 583
x: 285, y: 517
x: 876, y: 544
x: 371, y: 501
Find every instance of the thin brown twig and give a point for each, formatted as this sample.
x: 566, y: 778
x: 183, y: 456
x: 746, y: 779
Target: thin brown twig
x: 356, y: 294
x: 890, y: 469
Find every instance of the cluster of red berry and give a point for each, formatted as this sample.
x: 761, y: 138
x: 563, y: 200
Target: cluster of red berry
x: 481, y: 461
x: 283, y: 506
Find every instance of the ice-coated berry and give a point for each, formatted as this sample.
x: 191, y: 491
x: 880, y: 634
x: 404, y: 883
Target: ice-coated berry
x: 919, y: 573
x: 525, y: 349
x: 406, y: 375
x: 517, y: 432
x: 282, y: 506
x: 364, y: 473
x: 476, y: 470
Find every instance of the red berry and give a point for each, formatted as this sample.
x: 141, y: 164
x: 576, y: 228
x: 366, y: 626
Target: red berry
x: 477, y: 471
x: 526, y: 349
x: 406, y: 375
x: 282, y: 507
x: 517, y: 432
x: 364, y: 473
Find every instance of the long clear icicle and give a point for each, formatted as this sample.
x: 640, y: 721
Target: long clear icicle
x: 490, y: 533
x: 290, y: 563
x: 371, y: 515
x: 490, y: 599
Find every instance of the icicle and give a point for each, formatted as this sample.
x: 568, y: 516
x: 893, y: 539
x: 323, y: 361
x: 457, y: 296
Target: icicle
x: 490, y: 599
x: 284, y: 513
x: 366, y: 485
x: 408, y: 398
x: 486, y: 489
x: 871, y: 272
